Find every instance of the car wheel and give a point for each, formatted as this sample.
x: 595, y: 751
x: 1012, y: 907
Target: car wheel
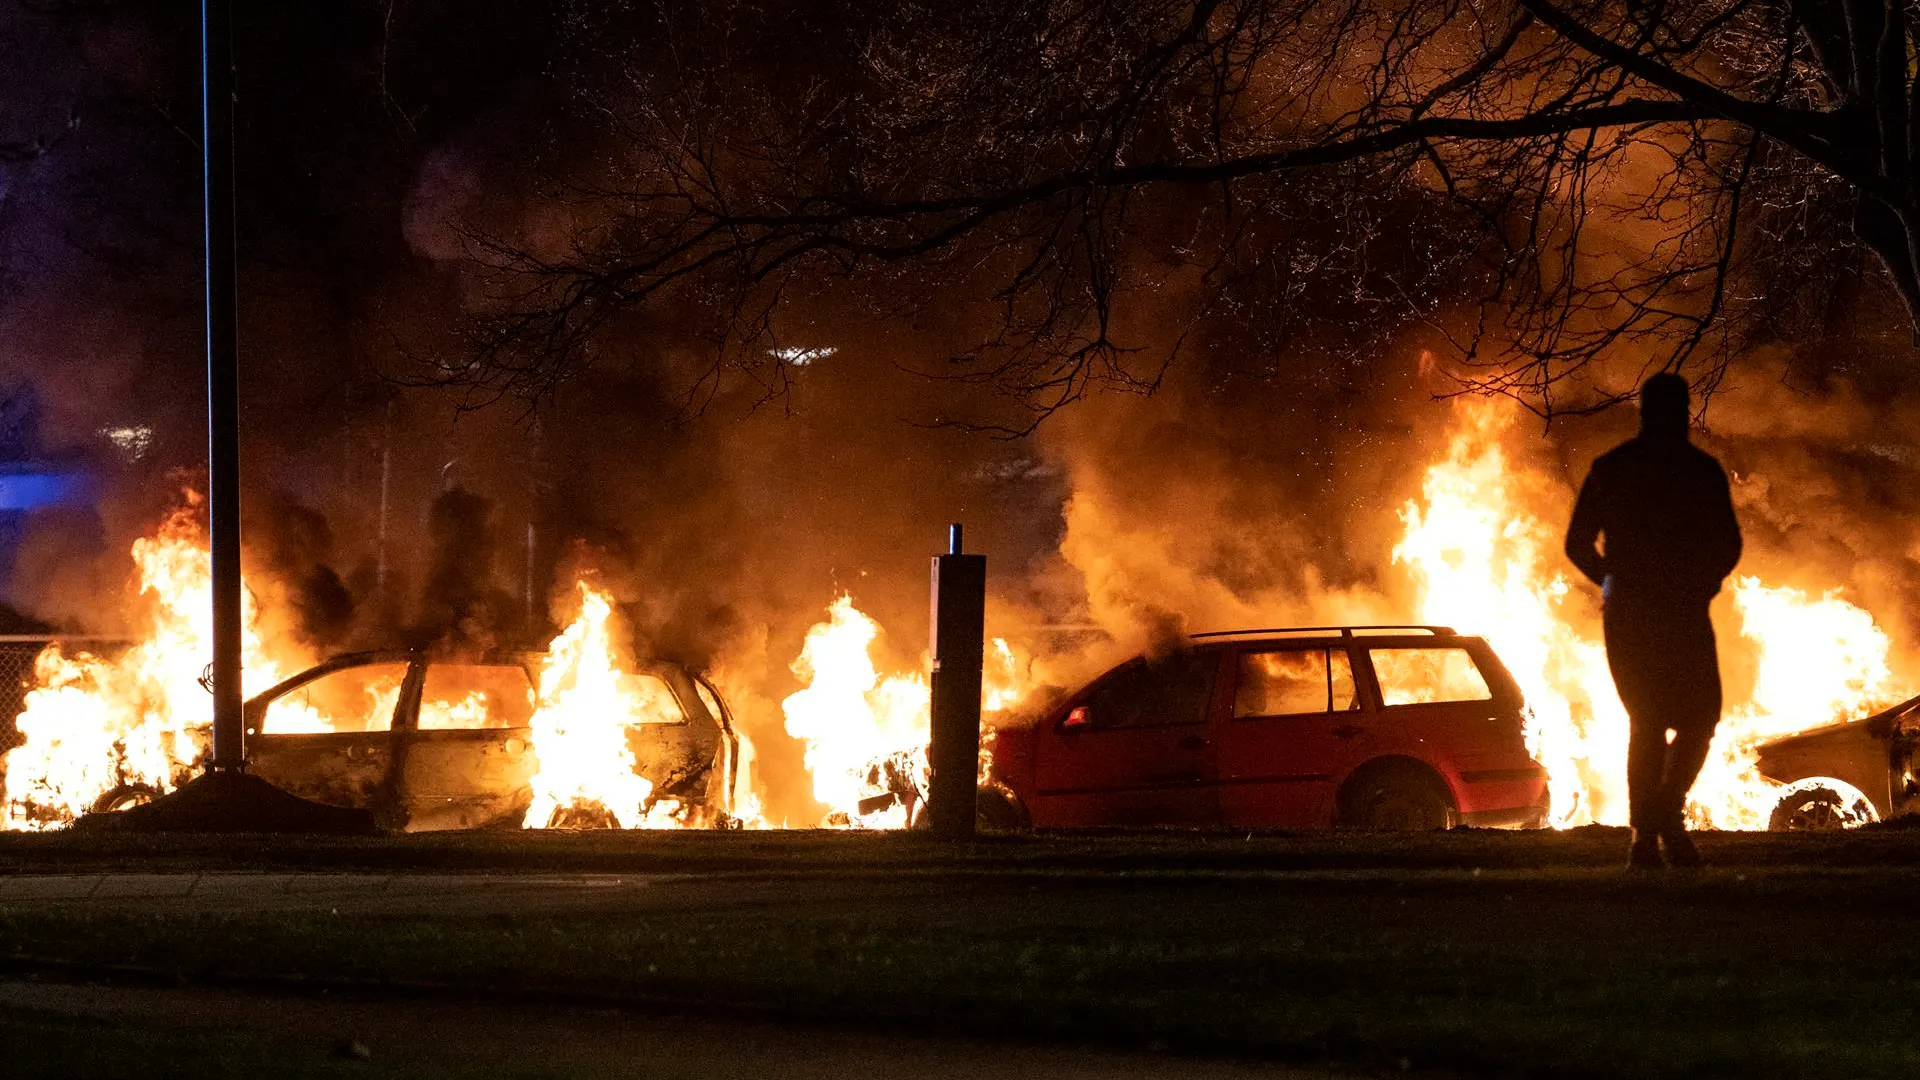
x: 994, y: 807
x: 1820, y: 805
x: 1396, y: 799
x: 574, y: 816
x: 125, y: 797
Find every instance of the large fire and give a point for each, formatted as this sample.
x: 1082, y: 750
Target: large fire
x: 92, y: 724
x: 588, y: 701
x: 1480, y: 545
x: 1482, y: 542
x: 865, y: 732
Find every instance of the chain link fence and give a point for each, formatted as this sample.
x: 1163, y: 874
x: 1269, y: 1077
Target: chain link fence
x: 17, y: 654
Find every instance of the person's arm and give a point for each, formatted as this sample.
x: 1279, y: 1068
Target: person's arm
x: 1583, y: 532
x: 1723, y: 530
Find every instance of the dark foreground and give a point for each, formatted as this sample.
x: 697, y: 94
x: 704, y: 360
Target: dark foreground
x: 1467, y: 953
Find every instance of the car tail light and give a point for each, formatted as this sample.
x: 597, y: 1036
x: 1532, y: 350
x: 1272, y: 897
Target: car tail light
x: 1077, y: 718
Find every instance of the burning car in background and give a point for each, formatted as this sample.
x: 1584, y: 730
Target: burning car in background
x: 430, y: 743
x: 1846, y: 774
x: 581, y: 734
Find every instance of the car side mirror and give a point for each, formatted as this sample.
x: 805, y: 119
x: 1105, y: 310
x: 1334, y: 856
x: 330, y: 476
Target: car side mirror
x: 1077, y: 718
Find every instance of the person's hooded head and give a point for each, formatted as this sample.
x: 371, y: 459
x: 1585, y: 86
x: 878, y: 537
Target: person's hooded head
x: 1664, y: 409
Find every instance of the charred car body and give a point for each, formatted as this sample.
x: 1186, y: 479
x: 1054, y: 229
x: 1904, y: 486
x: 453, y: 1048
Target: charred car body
x: 1846, y: 774
x: 431, y: 743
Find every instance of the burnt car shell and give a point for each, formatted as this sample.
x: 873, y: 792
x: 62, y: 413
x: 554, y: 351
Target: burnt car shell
x: 417, y: 777
x: 1875, y: 755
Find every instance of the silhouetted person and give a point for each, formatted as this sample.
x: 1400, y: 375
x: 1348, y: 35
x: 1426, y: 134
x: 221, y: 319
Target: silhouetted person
x: 1663, y: 508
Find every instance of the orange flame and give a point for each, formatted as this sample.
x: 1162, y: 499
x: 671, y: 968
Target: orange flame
x: 851, y: 717
x: 588, y: 701
x: 1482, y: 544
x: 92, y: 724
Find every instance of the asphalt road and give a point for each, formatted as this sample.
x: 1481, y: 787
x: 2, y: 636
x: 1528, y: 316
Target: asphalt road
x: 489, y: 1039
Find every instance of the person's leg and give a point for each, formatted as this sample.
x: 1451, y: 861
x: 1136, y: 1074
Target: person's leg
x: 1696, y: 712
x: 1682, y: 765
x: 1646, y: 766
x: 1634, y: 663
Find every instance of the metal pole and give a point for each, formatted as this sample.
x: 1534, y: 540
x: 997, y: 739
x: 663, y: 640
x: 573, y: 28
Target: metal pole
x: 959, y: 645
x: 386, y: 482
x: 223, y: 376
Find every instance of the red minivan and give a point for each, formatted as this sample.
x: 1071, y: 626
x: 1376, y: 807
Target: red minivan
x: 1384, y: 727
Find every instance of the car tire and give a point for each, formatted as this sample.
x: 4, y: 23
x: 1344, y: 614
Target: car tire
x: 582, y: 819
x: 1396, y: 797
x: 1818, y: 807
x: 124, y: 797
x: 996, y: 808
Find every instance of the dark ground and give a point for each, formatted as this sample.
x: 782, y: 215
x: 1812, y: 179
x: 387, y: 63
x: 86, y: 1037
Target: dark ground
x: 1473, y: 953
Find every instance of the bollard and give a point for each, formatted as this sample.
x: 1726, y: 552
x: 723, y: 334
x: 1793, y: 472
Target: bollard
x: 959, y: 628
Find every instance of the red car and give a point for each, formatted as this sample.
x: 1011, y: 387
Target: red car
x: 1394, y: 727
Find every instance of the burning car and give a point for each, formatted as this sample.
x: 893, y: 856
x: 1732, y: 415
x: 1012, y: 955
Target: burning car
x: 430, y: 743
x: 1845, y: 774
x: 1400, y: 727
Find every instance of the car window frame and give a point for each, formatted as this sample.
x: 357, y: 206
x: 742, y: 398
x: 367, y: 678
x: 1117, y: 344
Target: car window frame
x: 256, y: 708
x: 1327, y: 648
x: 1080, y: 699
x: 1495, y: 687
x: 426, y: 671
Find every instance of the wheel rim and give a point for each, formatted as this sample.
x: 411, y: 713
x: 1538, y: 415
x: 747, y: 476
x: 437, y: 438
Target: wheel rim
x: 125, y: 798
x: 1815, y: 815
x: 1821, y: 805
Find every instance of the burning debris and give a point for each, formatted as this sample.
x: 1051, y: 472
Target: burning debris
x: 865, y: 733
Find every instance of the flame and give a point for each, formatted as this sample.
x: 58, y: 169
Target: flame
x: 860, y: 726
x: 1819, y: 659
x: 1484, y: 562
x: 93, y: 723
x: 848, y: 715
x: 588, y: 701
x: 1482, y: 545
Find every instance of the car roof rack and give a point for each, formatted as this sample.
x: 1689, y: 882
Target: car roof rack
x: 1343, y: 631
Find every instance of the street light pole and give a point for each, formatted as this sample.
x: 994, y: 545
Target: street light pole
x: 223, y: 376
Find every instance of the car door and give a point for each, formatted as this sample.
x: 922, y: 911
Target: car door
x: 327, y: 733
x: 1293, y: 728
x: 466, y: 759
x: 1133, y: 748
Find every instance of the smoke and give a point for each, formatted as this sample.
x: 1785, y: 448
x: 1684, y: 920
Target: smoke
x: 461, y: 606
x: 291, y: 546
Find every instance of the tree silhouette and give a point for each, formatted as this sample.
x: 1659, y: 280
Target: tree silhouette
x: 1547, y: 183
